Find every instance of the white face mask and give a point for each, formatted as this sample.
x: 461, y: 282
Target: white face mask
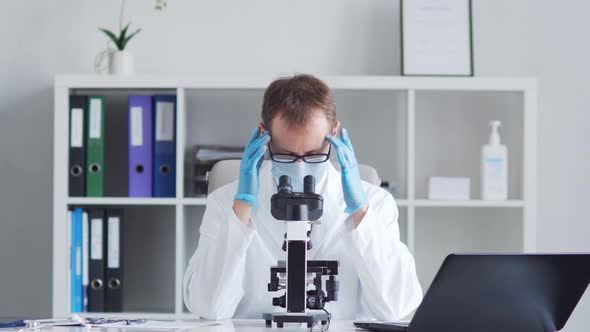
x: 297, y: 171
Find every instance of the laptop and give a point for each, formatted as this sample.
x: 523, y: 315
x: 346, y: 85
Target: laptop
x: 498, y: 292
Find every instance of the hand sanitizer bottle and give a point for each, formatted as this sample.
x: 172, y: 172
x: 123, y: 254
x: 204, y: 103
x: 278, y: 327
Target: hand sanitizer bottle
x: 494, y: 167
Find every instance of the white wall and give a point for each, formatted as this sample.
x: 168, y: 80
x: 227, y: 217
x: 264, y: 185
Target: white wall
x: 40, y: 39
x: 546, y: 39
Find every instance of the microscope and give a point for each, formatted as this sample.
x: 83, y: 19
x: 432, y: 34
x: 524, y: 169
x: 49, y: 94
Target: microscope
x: 301, y: 279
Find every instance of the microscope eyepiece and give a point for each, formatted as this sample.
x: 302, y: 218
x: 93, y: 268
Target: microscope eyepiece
x: 293, y: 204
x: 309, y: 184
x: 284, y: 185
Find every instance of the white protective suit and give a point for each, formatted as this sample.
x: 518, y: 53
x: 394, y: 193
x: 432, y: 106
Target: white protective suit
x: 229, y: 272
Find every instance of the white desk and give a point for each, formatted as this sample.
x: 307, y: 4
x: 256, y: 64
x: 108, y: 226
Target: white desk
x: 243, y: 325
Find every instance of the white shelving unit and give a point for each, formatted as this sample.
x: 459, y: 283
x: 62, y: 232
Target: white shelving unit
x: 409, y: 90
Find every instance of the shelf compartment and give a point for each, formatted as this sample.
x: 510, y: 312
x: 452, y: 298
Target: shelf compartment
x: 442, y: 231
x: 149, y: 270
x: 443, y: 122
x: 116, y: 132
x: 207, y: 114
x: 148, y: 242
x: 376, y: 123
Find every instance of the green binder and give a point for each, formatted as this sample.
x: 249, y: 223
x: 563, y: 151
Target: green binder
x: 95, y: 147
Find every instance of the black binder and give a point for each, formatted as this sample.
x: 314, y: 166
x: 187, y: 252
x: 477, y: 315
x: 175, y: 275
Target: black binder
x: 114, y: 258
x: 77, y: 179
x: 96, y: 287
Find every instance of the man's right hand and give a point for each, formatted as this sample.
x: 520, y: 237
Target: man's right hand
x: 249, y: 171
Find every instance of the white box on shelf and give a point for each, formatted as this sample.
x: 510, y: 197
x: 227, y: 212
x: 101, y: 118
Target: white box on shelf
x: 447, y: 188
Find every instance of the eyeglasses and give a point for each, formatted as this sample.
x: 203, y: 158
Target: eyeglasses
x: 286, y: 158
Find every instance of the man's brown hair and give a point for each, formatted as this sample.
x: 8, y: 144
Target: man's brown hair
x: 296, y: 98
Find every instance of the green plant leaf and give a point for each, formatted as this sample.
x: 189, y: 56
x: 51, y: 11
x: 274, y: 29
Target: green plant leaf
x: 129, y: 37
x: 121, y: 41
x: 110, y: 35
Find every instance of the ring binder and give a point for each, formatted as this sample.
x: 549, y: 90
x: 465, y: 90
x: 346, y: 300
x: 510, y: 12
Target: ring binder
x: 96, y: 291
x: 164, y: 177
x: 140, y: 146
x: 114, y: 267
x: 95, y: 147
x: 77, y: 163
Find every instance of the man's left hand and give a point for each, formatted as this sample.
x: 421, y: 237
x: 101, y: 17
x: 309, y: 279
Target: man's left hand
x: 354, y: 195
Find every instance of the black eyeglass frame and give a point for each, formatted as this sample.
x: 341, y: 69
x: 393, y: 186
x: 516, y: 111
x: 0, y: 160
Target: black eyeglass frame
x: 297, y: 157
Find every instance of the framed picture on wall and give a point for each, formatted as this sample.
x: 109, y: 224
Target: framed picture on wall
x: 436, y: 38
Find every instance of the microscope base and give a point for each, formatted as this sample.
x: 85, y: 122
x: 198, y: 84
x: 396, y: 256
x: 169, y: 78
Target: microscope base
x: 310, y: 318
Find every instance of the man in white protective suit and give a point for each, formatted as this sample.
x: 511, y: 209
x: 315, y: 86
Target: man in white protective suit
x: 239, y: 239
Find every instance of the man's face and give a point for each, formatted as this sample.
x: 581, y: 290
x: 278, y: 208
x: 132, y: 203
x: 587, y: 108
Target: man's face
x: 301, y: 140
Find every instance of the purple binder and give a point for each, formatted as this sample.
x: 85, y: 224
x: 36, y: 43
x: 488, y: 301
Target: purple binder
x: 140, y: 146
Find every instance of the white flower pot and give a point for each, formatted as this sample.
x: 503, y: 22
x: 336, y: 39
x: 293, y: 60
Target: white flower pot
x: 121, y: 63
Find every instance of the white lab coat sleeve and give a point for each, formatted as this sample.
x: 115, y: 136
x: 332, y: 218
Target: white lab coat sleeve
x: 386, y: 269
x: 213, y: 282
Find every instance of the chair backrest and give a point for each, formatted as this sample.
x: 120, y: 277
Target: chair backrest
x: 226, y: 171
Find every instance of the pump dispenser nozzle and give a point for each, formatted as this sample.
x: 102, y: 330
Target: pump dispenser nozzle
x: 494, y: 134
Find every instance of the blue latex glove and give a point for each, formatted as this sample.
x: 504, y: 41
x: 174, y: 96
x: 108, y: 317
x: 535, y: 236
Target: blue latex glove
x: 354, y: 195
x: 250, y: 167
